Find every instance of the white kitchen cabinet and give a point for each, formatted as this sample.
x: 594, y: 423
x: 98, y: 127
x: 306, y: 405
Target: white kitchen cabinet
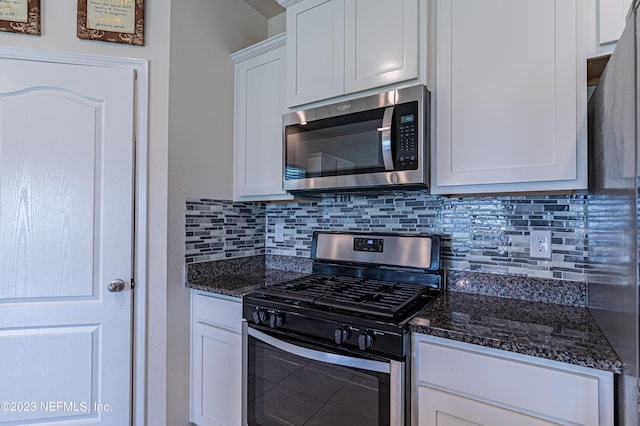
x: 337, y: 47
x: 216, y: 360
x: 607, y: 19
x: 446, y: 409
x: 381, y: 43
x: 510, y: 96
x: 259, y: 105
x: 458, y: 383
x: 315, y: 50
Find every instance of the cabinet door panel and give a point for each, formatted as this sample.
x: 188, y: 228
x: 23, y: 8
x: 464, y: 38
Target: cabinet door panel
x: 507, y: 94
x: 259, y: 105
x: 259, y: 130
x: 216, y: 360
x: 315, y: 50
x: 611, y: 20
x: 217, y: 372
x: 438, y: 408
x: 381, y: 43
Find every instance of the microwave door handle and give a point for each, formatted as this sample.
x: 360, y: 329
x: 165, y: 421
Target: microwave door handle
x: 385, y: 138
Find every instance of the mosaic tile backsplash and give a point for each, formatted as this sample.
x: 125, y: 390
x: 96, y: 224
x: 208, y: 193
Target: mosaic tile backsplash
x: 218, y: 229
x: 483, y: 234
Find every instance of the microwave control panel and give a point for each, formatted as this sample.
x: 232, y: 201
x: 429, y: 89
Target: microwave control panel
x: 406, y: 121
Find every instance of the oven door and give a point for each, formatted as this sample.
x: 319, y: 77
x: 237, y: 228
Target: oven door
x: 290, y: 381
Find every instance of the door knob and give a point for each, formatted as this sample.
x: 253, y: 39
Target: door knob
x: 116, y: 286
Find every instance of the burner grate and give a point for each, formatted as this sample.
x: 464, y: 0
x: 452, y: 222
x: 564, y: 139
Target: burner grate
x: 368, y: 296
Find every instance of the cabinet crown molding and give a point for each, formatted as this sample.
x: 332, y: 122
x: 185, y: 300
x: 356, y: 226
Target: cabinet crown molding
x: 287, y: 3
x: 259, y: 48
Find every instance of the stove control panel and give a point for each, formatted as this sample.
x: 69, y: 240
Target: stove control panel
x: 359, y: 334
x: 273, y: 318
x: 365, y: 340
x: 342, y: 334
x: 375, y: 245
x: 259, y: 316
x: 276, y: 319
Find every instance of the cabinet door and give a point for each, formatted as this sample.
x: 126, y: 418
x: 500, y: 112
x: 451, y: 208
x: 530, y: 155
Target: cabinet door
x: 510, y: 96
x: 611, y: 17
x: 381, y: 43
x: 438, y: 408
x: 459, y: 383
x: 315, y: 50
x: 217, y: 376
x: 258, y: 127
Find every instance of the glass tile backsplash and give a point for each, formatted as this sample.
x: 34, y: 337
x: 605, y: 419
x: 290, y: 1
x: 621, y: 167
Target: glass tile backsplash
x: 217, y: 229
x: 483, y: 234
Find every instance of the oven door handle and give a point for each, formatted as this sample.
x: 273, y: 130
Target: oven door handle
x: 346, y: 361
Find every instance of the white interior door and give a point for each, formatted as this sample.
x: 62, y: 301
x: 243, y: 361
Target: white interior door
x: 66, y: 231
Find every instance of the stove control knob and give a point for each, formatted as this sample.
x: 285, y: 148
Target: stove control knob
x: 342, y: 334
x: 365, y: 341
x: 276, y: 320
x: 259, y: 316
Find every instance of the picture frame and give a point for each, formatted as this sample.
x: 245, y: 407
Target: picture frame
x: 115, y: 21
x: 20, y: 16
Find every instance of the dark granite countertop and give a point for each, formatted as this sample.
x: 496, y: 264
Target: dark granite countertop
x: 239, y: 276
x: 546, y: 330
x: 469, y: 312
x: 239, y: 284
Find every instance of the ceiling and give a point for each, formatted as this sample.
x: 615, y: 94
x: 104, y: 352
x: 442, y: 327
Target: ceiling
x: 268, y: 8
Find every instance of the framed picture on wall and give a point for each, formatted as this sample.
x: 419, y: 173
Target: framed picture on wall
x: 20, y: 16
x: 116, y: 21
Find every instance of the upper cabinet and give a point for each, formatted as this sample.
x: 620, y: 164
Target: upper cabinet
x: 259, y: 105
x: 338, y: 47
x: 381, y: 43
x: 315, y: 47
x: 607, y: 19
x: 510, y: 96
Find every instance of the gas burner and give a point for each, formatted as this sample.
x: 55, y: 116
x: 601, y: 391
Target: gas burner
x: 368, y: 285
x: 356, y: 295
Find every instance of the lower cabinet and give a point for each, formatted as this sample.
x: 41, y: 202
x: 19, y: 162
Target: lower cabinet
x: 216, y: 360
x: 462, y: 384
x: 442, y: 408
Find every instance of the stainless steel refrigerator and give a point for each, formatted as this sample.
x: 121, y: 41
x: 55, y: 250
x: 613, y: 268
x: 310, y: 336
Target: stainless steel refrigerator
x: 613, y: 212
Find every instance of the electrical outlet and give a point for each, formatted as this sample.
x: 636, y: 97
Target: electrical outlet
x: 540, y: 244
x: 279, y: 238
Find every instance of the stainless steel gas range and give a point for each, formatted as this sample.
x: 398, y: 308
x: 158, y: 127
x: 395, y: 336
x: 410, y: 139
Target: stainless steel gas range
x: 332, y: 348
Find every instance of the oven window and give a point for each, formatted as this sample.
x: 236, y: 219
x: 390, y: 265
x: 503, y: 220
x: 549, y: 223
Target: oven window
x: 286, y: 389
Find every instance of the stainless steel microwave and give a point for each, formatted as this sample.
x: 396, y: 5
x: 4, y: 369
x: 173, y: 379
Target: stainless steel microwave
x: 375, y: 142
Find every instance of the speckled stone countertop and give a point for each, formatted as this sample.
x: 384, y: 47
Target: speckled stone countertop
x: 545, y: 330
x: 240, y: 284
x: 240, y: 276
x: 542, y: 318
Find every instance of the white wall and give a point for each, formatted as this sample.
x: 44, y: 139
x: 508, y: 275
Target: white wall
x: 203, y: 34
x: 59, y: 34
